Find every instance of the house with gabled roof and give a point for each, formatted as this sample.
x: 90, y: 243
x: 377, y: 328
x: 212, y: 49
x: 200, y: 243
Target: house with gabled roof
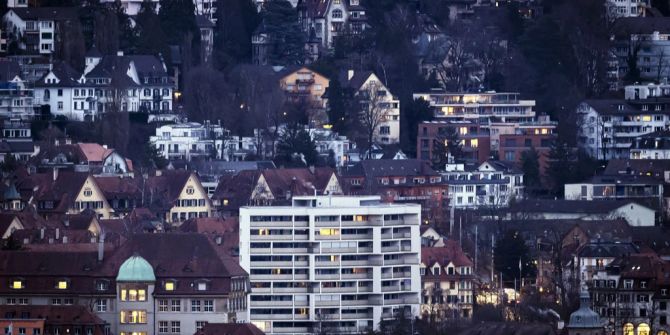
x: 176, y: 195
x: 70, y: 193
x: 16, y: 97
x: 447, y: 281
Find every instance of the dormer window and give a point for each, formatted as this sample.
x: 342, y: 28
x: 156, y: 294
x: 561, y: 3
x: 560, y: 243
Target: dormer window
x: 62, y: 284
x: 202, y: 286
x: 436, y: 270
x: 17, y: 284
x: 102, y: 285
x: 169, y: 285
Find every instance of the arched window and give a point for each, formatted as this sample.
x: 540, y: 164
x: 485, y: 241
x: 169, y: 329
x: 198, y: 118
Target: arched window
x: 337, y: 14
x: 628, y: 329
x: 643, y: 329
x: 662, y: 332
x: 47, y: 94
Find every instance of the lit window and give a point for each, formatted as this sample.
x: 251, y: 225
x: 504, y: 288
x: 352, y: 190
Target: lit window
x: 646, y: 118
x: 463, y: 130
x: 545, y: 131
x: 17, y: 284
x: 62, y: 285
x: 329, y: 232
x: 474, y: 143
x: 169, y: 286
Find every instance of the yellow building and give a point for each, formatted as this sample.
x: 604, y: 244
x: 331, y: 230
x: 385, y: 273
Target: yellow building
x: 177, y: 196
x: 61, y: 193
x: 303, y: 85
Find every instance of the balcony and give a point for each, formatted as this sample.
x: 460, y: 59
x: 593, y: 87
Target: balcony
x: 326, y: 264
x: 326, y: 276
x: 272, y: 277
x: 271, y: 224
x: 327, y: 303
x: 355, y: 223
x: 337, y: 289
x: 367, y: 275
x: 391, y: 288
x: 365, y: 289
x: 405, y: 274
x: 356, y: 316
x: 327, y: 224
x: 392, y: 248
x: 273, y: 238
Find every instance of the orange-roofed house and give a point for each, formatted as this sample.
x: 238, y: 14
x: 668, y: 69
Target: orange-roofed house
x: 104, y: 160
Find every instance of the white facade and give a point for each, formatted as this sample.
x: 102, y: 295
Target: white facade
x: 627, y: 8
x: 652, y: 55
x: 188, y: 140
x: 16, y: 99
x: 388, y: 131
x: 644, y: 91
x: 482, y: 107
x: 339, y: 264
x: 17, y: 3
x: 36, y: 36
x: 609, y: 133
x: 486, y: 186
x: 327, y: 140
x: 132, y: 7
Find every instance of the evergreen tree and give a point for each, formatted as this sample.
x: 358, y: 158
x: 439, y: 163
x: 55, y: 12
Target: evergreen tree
x: 177, y: 19
x: 236, y: 22
x: 530, y: 165
x: 560, y: 167
x: 127, y: 33
x: 512, y: 258
x: 9, y: 164
x: 151, y: 38
x: 446, y: 144
x: 337, y: 104
x: 285, y: 33
x: 413, y: 113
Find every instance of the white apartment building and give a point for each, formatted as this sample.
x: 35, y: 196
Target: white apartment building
x: 607, y: 128
x: 649, y: 38
x: 34, y: 29
x: 330, y: 18
x: 644, y: 91
x: 188, y: 140
x: 501, y: 112
x: 337, y: 264
x: 491, y: 184
x: 17, y: 3
x: 327, y: 140
x: 651, y: 146
x: 627, y: 8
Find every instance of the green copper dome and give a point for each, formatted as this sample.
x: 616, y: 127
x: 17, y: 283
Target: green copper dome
x: 136, y: 269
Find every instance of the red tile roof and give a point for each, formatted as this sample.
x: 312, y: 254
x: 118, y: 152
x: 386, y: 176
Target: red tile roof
x: 229, y: 329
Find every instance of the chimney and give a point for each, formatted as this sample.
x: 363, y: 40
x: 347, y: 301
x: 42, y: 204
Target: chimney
x: 159, y: 173
x: 64, y: 239
x: 55, y: 173
x: 101, y: 248
x: 105, y: 146
x: 350, y: 74
x: 57, y: 233
x: 119, y: 53
x: 42, y: 233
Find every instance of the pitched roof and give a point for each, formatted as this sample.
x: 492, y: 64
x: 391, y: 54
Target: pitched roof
x: 165, y: 188
x: 5, y: 220
x: 450, y: 253
x: 55, y: 315
x: 210, y: 225
x: 229, y: 329
x: 389, y: 167
x: 626, y: 26
x: 63, y: 190
x: 115, y: 187
x: 651, y: 167
x: 42, y: 13
x: 93, y: 152
x: 569, y: 206
x: 67, y: 76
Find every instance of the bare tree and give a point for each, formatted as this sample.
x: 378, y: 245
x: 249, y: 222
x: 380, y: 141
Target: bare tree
x: 661, y: 64
x: 373, y: 112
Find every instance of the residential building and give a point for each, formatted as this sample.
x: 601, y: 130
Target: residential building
x: 176, y: 195
x: 483, y: 108
x: 67, y: 192
x: 229, y: 329
x: 330, y: 263
x: 647, y: 35
x: 647, y: 90
x: 474, y: 139
x: 490, y: 184
x: 260, y: 45
x: 655, y: 145
x: 150, y: 284
x: 627, y: 8
x: 400, y: 181
x: 539, y: 136
x: 447, y: 281
x: 331, y: 145
x: 55, y: 90
x: 331, y: 18
x: 133, y: 83
x: 273, y: 187
x: 17, y: 3
x: 634, y: 213
x: 369, y: 89
x: 305, y: 86
x: 607, y: 127
x: 657, y: 168
x: 16, y: 94
x: 189, y: 140
x: 16, y: 140
x: 132, y: 7
x: 35, y: 28
x: 622, y: 187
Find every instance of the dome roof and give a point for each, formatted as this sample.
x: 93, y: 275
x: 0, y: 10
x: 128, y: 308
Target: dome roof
x: 584, y: 317
x: 136, y: 269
